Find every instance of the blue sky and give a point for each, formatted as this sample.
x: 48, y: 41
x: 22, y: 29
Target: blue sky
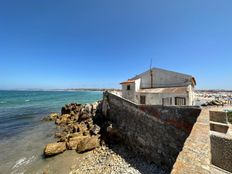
x: 99, y: 43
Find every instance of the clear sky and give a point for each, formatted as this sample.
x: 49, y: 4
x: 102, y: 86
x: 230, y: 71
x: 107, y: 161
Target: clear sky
x: 99, y: 43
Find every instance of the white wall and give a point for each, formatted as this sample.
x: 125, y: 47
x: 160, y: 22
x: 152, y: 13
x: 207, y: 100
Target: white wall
x: 163, y: 78
x: 128, y: 94
x: 156, y: 99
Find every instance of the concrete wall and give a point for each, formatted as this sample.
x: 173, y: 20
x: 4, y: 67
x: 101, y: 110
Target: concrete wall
x: 157, y: 133
x: 218, y: 116
x: 221, y: 151
x: 220, y: 140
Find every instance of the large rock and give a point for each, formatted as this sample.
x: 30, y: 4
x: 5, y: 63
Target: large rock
x: 95, y: 105
x: 65, y: 110
x: 63, y: 119
x: 113, y: 133
x: 84, y: 116
x: 53, y: 116
x: 73, y: 142
x: 95, y: 129
x: 88, y: 143
x: 54, y: 149
x: 88, y: 108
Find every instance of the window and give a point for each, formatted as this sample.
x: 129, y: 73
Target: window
x: 128, y: 87
x: 180, y: 101
x: 142, y: 100
x: 167, y: 101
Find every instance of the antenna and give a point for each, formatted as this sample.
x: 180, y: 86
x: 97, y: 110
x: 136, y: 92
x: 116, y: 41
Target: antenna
x: 151, y: 73
x: 150, y: 63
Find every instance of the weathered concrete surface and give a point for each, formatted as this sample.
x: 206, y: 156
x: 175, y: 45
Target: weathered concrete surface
x: 221, y: 141
x: 195, y: 156
x: 221, y: 151
x: 219, y: 127
x: 218, y: 116
x: 158, y: 133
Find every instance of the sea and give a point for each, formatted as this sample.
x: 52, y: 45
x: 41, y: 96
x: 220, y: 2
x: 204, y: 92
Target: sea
x: 23, y: 134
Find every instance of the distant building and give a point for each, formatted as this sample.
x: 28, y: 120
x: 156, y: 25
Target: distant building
x: 160, y: 87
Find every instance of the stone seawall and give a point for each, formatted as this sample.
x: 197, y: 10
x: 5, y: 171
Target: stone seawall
x: 156, y: 132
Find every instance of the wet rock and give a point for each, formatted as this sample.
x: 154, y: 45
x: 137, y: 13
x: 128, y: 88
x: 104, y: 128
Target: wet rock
x: 58, y: 121
x: 59, y: 134
x: 54, y: 149
x: 64, y: 119
x: 53, y: 116
x: 88, y: 143
x: 65, y: 110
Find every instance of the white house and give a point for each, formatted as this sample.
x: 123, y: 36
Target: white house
x: 160, y: 87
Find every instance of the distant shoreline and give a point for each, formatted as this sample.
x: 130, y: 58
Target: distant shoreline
x: 71, y: 89
x: 93, y: 89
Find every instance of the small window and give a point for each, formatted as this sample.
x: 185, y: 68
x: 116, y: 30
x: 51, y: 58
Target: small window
x: 180, y: 101
x: 167, y: 101
x: 143, y: 100
x: 128, y: 87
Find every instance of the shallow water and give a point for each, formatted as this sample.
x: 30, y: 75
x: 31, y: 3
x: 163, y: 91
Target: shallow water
x: 22, y: 133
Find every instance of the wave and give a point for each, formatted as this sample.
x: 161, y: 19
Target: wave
x: 23, y: 161
x: 2, y: 102
x: 27, y: 100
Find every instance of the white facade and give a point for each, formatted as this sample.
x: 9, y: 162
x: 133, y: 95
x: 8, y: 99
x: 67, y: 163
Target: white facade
x: 160, y: 87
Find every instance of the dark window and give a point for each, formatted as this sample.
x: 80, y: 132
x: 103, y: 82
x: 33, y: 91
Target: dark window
x: 128, y: 87
x: 143, y: 100
x: 180, y: 101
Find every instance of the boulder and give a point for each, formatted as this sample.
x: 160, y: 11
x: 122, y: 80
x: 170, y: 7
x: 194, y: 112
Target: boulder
x: 58, y: 121
x: 76, y: 134
x: 95, y: 105
x: 113, y: 133
x: 63, y: 119
x: 88, y: 143
x: 88, y: 108
x: 59, y: 134
x: 89, y: 123
x: 65, y: 110
x: 54, y: 149
x: 95, y: 129
x: 73, y: 142
x: 82, y: 127
x: 76, y: 116
x: 53, y: 116
x: 84, y: 116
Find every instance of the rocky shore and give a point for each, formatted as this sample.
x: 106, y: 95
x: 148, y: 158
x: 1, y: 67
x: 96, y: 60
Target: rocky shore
x: 76, y: 129
x: 83, y: 128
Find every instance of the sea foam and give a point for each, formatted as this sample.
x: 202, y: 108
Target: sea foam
x: 23, y: 161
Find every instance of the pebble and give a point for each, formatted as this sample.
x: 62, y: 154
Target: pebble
x: 114, y: 160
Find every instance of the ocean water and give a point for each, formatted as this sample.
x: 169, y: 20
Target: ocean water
x: 22, y: 133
